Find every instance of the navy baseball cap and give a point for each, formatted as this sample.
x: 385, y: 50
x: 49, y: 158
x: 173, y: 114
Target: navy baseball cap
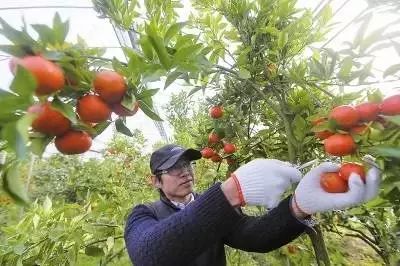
x: 168, y: 155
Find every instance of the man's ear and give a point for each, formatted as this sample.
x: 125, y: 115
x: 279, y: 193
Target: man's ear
x: 156, y: 183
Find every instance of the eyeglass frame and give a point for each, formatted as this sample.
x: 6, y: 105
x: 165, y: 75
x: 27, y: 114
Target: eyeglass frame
x: 180, y: 165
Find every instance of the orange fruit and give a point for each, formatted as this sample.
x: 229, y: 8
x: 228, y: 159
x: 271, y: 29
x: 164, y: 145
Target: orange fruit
x: 229, y: 148
x: 391, y: 105
x: 121, y: 110
x: 73, y: 142
x: 340, y: 145
x: 331, y: 182
x: 345, y: 116
x: 347, y: 168
x: 48, y: 75
x: 110, y: 86
x: 49, y: 121
x: 216, y: 112
x: 91, y: 108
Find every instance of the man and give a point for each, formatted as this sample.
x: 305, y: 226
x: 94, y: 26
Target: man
x: 186, y: 229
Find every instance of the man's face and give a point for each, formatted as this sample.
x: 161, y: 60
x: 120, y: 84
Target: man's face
x: 177, y: 181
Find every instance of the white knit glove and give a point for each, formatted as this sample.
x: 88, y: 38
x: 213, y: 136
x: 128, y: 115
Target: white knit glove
x: 263, y: 181
x: 311, y: 198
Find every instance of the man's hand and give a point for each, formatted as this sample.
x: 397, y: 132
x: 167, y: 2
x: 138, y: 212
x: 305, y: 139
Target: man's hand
x: 260, y: 182
x: 310, y: 198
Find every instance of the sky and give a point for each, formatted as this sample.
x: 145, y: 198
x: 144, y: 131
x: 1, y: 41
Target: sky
x: 99, y: 33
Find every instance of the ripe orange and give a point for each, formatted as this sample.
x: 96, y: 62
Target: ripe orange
x: 207, y: 152
x: 340, y: 145
x: 213, y: 138
x: 229, y: 148
x: 216, y: 112
x: 49, y: 76
x: 91, y: 108
x: 49, y: 121
x: 391, y: 105
x: 347, y: 168
x: 368, y: 111
x: 322, y: 134
x: 345, y: 116
x: 73, y: 142
x: 359, y: 129
x: 332, y: 183
x: 120, y: 110
x: 216, y: 158
x: 110, y: 86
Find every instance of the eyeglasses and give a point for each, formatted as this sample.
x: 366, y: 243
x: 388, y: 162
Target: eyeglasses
x: 178, y: 168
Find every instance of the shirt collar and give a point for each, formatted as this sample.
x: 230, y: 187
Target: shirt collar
x: 181, y: 205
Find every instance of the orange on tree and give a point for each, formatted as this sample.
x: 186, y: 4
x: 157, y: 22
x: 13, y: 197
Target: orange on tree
x: 207, y: 152
x: 359, y: 129
x: 73, y: 142
x: 48, y: 75
x: 331, y: 182
x: 345, y: 116
x: 391, y: 105
x: 347, y: 168
x: 229, y: 148
x: 213, y: 138
x: 216, y: 158
x: 230, y: 161
x: 324, y: 133
x: 110, y: 86
x: 368, y: 111
x: 48, y: 120
x: 91, y: 108
x: 340, y: 145
x: 121, y: 110
x: 216, y: 112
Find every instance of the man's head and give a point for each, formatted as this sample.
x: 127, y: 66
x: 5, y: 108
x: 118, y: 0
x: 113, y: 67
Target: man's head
x: 172, y: 170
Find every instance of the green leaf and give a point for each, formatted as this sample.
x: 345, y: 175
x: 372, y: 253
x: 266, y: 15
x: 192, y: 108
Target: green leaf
x: 13, y: 185
x: 148, y: 110
x: 394, y: 119
x: 122, y: 128
x: 100, y: 127
x: 65, y: 109
x: 147, y: 93
x: 16, y: 50
x: 391, y: 70
x: 283, y: 39
x: 38, y: 145
x: 46, y: 34
x: 346, y: 67
x: 171, y: 78
x: 94, y: 251
x: 146, y: 47
x: 158, y: 45
x: 386, y: 151
x: 184, y: 53
x: 24, y: 83
x: 47, y: 205
x: 60, y: 29
x: 361, y: 31
x: 15, y: 36
x: 244, y: 73
x: 172, y: 31
x: 16, y: 135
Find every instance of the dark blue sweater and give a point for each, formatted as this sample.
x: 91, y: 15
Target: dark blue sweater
x: 201, y: 230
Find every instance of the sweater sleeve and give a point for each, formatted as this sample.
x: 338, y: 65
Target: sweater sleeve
x: 267, y: 232
x: 181, y: 237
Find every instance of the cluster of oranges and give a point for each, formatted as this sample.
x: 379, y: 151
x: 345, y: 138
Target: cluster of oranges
x: 94, y: 107
x: 215, y: 143
x: 350, y: 121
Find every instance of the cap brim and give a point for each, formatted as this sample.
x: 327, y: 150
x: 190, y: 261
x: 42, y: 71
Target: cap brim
x: 190, y: 154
